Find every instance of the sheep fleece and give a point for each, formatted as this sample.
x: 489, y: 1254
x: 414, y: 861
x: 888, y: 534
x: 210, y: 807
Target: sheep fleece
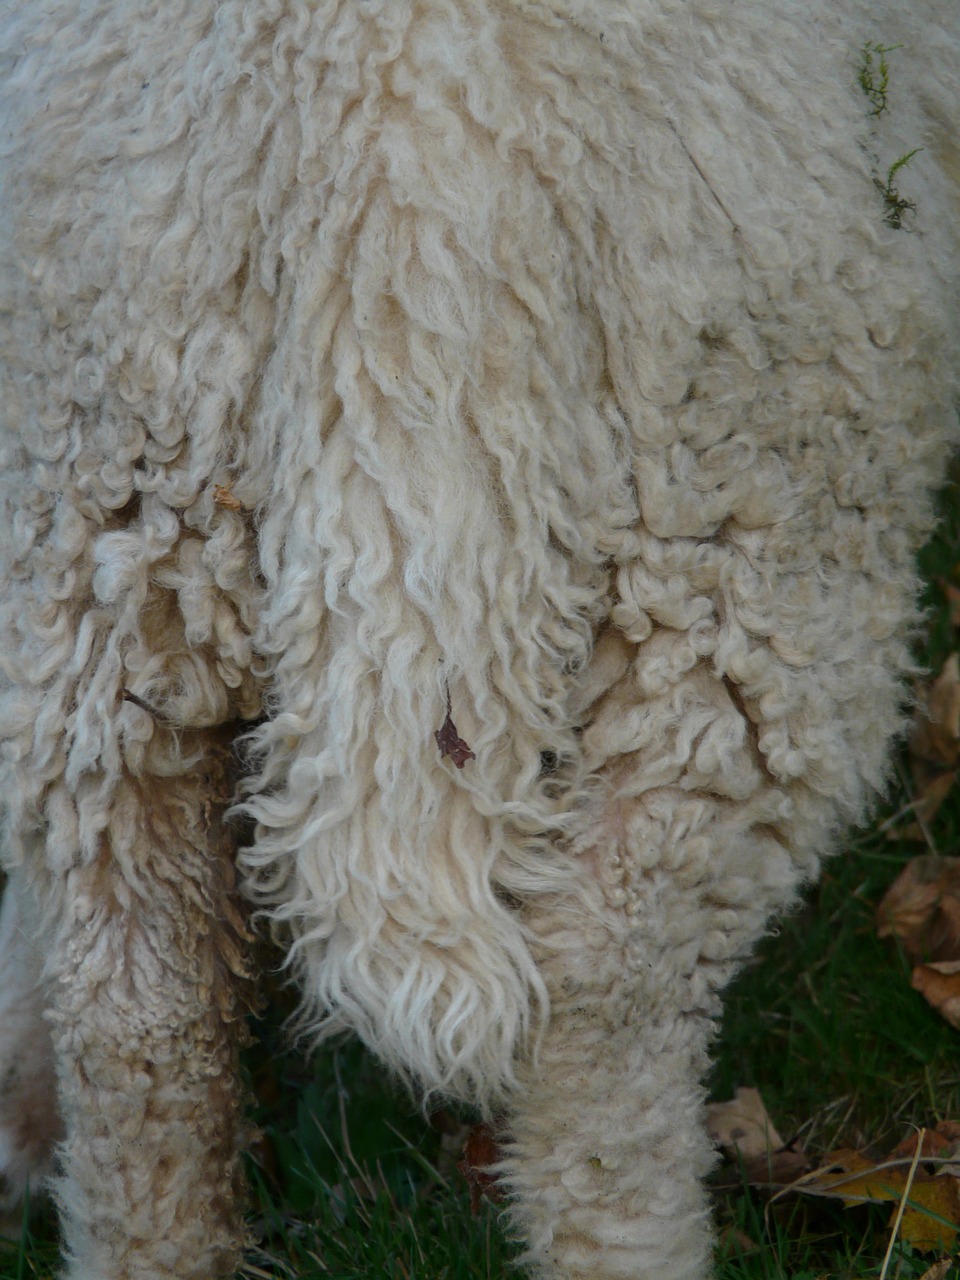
x: 470, y: 454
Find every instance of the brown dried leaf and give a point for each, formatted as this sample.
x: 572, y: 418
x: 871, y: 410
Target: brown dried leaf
x: 922, y: 908
x: 939, y: 1271
x: 226, y: 498
x: 939, y: 984
x: 451, y: 744
x: 852, y: 1177
x: 931, y: 788
x: 931, y: 1218
x: 768, y: 1173
x: 936, y: 733
x: 742, y: 1126
x: 952, y: 594
x: 777, y: 1169
x: 939, y: 1143
x: 734, y: 1243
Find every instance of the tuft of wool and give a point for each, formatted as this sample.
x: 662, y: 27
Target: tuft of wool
x: 536, y: 378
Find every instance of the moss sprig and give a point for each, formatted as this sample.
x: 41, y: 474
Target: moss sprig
x: 874, y: 74
x: 896, y: 205
x: 873, y: 78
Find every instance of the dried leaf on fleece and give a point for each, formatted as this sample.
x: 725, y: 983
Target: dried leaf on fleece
x: 225, y: 497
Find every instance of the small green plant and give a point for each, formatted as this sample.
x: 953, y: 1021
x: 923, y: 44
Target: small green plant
x: 896, y: 205
x: 874, y: 79
x: 874, y: 74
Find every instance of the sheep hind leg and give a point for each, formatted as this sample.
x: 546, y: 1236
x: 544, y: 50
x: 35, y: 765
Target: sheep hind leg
x: 605, y: 1143
x: 146, y: 1018
x: 29, y: 1121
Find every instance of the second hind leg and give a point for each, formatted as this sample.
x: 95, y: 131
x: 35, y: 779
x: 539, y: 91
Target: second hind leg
x: 147, y: 970
x: 29, y: 1116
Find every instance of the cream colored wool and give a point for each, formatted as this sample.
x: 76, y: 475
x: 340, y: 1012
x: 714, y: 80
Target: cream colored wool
x: 546, y: 359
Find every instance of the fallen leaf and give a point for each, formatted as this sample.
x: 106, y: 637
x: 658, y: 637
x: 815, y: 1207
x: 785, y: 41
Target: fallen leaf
x: 939, y: 984
x: 852, y: 1177
x: 934, y: 750
x: 742, y: 1126
x: 922, y: 908
x: 734, y: 1243
x: 931, y: 787
x: 939, y: 1143
x: 931, y: 1219
x: 939, y: 1271
x: 768, y: 1173
x: 936, y: 732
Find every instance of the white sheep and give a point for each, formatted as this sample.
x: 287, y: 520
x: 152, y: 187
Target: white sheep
x: 512, y: 422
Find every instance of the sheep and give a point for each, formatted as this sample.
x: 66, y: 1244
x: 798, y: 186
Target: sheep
x: 462, y: 462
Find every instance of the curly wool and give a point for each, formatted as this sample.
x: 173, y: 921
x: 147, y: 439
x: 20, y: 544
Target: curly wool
x: 543, y: 371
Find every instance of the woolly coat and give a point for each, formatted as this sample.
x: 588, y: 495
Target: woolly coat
x: 542, y: 374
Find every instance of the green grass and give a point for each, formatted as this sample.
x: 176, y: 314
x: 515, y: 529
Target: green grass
x: 349, y: 1181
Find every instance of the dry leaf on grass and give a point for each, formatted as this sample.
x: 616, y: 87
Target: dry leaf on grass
x: 930, y: 1182
x: 953, y: 601
x: 934, y: 750
x: 939, y: 1271
x: 941, y: 1143
x: 742, y: 1126
x: 939, y: 984
x: 734, y: 1243
x: 922, y: 908
x: 744, y: 1131
x: 931, y: 787
x: 931, y: 1219
x: 936, y: 732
